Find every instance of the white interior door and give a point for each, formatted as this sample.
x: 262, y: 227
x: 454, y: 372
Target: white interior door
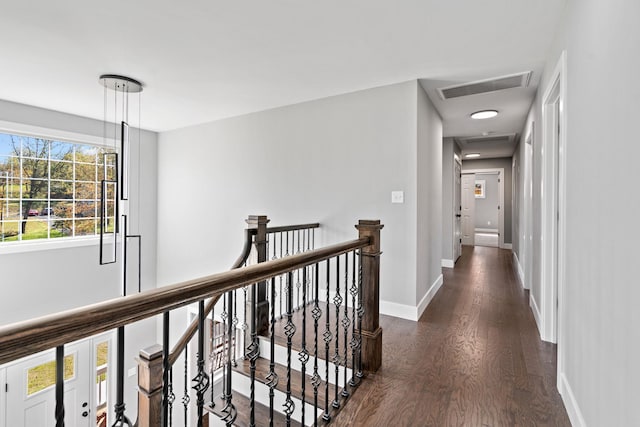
x: 30, y: 389
x: 457, y: 209
x: 468, y: 208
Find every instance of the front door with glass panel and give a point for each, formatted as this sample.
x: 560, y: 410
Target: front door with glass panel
x: 31, y: 389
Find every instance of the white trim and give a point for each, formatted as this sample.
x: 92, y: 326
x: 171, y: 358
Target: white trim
x: 3, y: 396
x: 520, y: 272
x: 536, y: 313
x: 508, y: 246
x: 49, y: 133
x: 570, y: 402
x: 402, y: 311
x: 428, y: 297
x: 487, y: 230
x: 47, y: 244
x: 500, y: 172
x: 448, y: 263
x: 552, y: 203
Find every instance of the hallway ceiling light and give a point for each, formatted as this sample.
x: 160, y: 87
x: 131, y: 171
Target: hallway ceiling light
x: 471, y: 155
x: 484, y: 114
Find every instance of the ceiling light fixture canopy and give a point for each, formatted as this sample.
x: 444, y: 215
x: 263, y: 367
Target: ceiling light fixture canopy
x: 120, y: 83
x: 471, y: 155
x: 484, y: 114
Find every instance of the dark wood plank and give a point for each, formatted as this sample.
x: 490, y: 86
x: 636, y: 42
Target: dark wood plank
x: 474, y: 358
x: 242, y: 405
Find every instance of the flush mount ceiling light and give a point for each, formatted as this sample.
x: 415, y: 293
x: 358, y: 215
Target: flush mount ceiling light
x: 472, y: 155
x: 484, y: 114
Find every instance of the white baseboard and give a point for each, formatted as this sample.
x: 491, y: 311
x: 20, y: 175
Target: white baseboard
x: 422, y: 306
x: 507, y: 246
x: 403, y: 311
x: 570, y: 403
x: 536, y: 313
x: 520, y: 272
x: 447, y: 263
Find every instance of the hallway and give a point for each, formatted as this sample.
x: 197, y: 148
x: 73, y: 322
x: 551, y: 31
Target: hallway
x: 474, y: 359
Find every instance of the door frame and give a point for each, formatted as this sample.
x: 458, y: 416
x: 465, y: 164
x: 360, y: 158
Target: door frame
x: 500, y: 172
x: 462, y: 198
x: 553, y: 207
x: 3, y: 395
x: 457, y: 210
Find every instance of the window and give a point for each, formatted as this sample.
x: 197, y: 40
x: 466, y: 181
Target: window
x: 43, y: 376
x: 50, y: 188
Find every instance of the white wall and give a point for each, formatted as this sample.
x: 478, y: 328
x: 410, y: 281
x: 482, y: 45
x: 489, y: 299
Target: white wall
x: 47, y: 281
x: 429, y: 235
x: 333, y: 160
x: 599, y: 336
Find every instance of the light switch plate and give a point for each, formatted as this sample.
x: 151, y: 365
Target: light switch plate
x: 133, y: 372
x: 397, y: 197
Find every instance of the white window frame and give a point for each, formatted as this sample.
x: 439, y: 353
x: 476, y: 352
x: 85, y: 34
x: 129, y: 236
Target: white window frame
x: 64, y: 136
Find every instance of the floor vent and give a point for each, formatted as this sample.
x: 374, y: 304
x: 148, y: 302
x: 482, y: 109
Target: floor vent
x: 486, y: 86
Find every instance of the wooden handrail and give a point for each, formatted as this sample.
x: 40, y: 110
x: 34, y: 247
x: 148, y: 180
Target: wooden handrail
x: 193, y: 326
x: 32, y: 336
x: 283, y: 228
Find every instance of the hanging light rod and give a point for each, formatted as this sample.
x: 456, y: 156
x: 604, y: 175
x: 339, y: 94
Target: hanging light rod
x: 120, y: 83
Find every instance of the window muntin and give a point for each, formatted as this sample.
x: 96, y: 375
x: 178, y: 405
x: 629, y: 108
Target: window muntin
x: 50, y: 188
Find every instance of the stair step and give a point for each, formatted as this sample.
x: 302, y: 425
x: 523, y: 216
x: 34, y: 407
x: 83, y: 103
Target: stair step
x: 243, y: 405
x: 262, y: 370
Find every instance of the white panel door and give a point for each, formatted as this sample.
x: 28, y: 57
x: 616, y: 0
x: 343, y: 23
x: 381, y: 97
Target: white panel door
x: 31, y: 395
x: 457, y: 210
x: 468, y: 208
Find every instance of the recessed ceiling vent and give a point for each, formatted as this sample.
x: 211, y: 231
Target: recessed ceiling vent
x: 486, y: 86
x: 492, y: 139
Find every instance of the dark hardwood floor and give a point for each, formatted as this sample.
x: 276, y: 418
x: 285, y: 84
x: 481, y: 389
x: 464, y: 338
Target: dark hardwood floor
x: 474, y: 359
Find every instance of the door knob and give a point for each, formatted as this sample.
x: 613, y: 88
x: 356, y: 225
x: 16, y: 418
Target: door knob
x: 458, y: 215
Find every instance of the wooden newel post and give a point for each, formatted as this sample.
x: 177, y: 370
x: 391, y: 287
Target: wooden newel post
x: 261, y: 305
x: 150, y: 387
x: 370, y: 262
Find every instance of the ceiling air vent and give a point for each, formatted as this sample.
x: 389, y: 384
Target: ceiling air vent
x: 486, y: 86
x: 493, y: 139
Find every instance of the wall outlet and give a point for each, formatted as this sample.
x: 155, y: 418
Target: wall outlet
x: 397, y: 197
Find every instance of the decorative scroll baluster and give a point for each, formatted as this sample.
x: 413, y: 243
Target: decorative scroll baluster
x: 171, y: 397
x: 212, y: 357
x: 346, y: 322
x: 354, y: 341
x: 337, y: 300
x: 165, y: 369
x: 253, y: 354
x: 272, y: 378
x: 201, y: 380
x: 223, y: 316
x: 120, y: 418
x: 298, y: 283
x: 315, y: 379
x: 60, y: 386
x: 229, y: 409
x: 327, y: 339
x: 244, y: 325
x: 303, y: 356
x: 289, y: 330
x: 185, y: 397
x: 235, y: 325
x: 359, y: 374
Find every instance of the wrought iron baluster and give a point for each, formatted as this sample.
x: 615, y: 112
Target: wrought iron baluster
x: 165, y: 369
x: 280, y: 278
x: 244, y: 325
x: 235, y: 325
x: 253, y: 354
x: 120, y: 417
x: 212, y: 357
x: 346, y: 322
x: 272, y: 378
x: 229, y: 409
x: 337, y: 300
x: 303, y: 356
x: 354, y: 342
x: 359, y: 374
x: 201, y: 380
x: 315, y: 379
x: 60, y: 386
x: 171, y: 396
x: 289, y: 330
x: 327, y: 336
x: 223, y: 316
x: 185, y: 397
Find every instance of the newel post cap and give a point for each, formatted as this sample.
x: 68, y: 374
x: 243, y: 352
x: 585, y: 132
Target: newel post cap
x: 254, y: 221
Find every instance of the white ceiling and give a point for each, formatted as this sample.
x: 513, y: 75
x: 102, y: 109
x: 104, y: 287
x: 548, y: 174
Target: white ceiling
x: 202, y: 60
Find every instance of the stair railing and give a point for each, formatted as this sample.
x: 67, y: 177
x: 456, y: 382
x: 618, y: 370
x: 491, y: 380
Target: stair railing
x: 54, y: 331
